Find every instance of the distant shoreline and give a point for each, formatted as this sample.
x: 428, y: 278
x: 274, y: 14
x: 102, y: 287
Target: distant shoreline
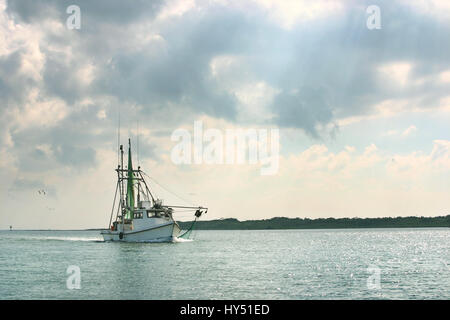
x: 283, y: 223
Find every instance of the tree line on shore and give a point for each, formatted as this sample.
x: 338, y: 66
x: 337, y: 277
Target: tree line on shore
x: 320, y: 223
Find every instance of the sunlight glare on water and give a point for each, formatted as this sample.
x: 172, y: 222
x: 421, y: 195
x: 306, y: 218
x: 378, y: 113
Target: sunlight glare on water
x: 263, y: 264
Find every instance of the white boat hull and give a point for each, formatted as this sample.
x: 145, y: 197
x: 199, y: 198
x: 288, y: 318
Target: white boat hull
x: 161, y: 233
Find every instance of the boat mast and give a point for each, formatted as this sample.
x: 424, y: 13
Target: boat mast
x: 118, y: 136
x: 120, y: 173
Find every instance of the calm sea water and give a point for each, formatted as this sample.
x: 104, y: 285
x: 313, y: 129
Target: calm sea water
x: 279, y: 264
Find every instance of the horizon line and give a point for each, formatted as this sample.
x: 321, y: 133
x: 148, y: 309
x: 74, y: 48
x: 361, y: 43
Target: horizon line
x: 219, y: 219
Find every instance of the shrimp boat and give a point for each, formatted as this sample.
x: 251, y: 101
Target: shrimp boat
x: 140, y: 217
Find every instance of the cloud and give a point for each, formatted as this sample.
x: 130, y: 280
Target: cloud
x: 396, y: 72
x: 103, y: 11
x: 288, y: 13
x: 319, y: 182
x: 158, y: 56
x: 410, y: 130
x: 405, y: 133
x: 309, y: 68
x: 304, y: 108
x: 445, y: 76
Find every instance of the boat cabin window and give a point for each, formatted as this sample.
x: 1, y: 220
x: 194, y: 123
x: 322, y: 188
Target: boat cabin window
x: 138, y: 215
x: 151, y: 214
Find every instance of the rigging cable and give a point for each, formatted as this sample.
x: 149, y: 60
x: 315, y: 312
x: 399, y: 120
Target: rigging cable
x: 188, y: 232
x: 179, y: 197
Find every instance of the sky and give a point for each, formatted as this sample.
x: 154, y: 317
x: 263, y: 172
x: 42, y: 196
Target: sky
x: 363, y: 113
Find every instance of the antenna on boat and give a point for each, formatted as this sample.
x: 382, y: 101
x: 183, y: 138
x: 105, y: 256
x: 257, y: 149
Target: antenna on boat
x: 137, y: 144
x: 118, y: 136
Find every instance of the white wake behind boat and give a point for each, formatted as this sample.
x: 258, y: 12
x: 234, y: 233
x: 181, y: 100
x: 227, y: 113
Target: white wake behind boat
x: 149, y: 220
